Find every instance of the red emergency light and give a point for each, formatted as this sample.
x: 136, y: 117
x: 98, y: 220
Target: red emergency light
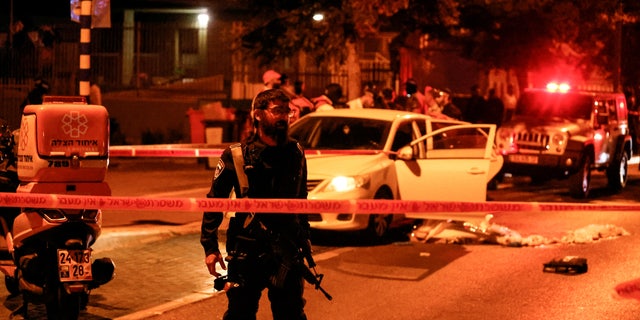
x: 558, y: 87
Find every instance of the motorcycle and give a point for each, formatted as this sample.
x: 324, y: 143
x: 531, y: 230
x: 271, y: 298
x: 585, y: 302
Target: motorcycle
x: 45, y: 253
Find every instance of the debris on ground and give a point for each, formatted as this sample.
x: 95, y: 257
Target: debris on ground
x: 567, y: 265
x: 594, y: 232
x: 487, y: 232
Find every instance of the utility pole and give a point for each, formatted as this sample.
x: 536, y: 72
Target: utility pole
x: 10, y: 37
x: 84, y: 74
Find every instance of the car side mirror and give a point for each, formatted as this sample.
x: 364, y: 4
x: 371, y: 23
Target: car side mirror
x: 406, y: 153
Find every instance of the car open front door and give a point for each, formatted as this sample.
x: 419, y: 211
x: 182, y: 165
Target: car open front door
x: 456, y: 167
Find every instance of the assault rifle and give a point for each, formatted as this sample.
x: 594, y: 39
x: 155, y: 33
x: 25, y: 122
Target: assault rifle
x: 313, y: 277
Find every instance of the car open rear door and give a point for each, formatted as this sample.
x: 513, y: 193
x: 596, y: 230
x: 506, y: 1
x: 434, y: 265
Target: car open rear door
x: 458, y: 163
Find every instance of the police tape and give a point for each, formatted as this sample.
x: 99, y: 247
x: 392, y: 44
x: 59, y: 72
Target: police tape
x: 164, y: 151
x: 360, y: 206
x: 198, y: 151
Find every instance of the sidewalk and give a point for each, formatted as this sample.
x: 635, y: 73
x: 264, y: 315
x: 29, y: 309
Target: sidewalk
x: 194, y: 305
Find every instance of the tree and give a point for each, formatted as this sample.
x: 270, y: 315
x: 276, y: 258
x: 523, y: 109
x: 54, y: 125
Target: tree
x: 521, y: 34
x: 533, y: 34
x: 283, y: 29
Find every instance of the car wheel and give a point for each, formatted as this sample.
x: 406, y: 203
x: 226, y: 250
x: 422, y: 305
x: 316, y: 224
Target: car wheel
x: 379, y: 224
x: 580, y: 182
x: 617, y: 173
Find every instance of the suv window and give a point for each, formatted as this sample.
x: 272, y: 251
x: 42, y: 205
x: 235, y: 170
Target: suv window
x: 541, y: 104
x: 613, y: 115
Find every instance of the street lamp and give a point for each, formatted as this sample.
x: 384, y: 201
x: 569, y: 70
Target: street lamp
x: 318, y: 17
x: 203, y: 20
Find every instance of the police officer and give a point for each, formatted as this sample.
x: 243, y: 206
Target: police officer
x: 265, y: 250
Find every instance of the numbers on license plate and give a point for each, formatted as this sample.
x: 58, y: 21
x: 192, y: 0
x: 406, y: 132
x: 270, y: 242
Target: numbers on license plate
x: 74, y: 265
x: 78, y: 256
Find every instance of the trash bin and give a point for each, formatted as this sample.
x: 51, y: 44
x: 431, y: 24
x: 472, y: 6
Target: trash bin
x: 218, y: 132
x: 196, y: 118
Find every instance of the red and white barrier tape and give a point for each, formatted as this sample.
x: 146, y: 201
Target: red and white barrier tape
x: 204, y: 151
x: 163, y: 151
x: 40, y: 200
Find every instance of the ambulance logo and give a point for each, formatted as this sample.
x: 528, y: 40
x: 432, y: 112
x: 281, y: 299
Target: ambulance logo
x: 74, y: 124
x: 24, y: 137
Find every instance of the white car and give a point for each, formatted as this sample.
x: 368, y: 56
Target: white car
x: 389, y: 154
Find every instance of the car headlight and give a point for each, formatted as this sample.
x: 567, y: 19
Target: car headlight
x: 344, y: 184
x: 558, y: 141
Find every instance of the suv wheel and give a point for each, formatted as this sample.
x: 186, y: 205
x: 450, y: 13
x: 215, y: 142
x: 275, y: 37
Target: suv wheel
x: 580, y: 182
x: 617, y: 173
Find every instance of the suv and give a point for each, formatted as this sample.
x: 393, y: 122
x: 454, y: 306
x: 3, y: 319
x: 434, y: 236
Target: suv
x: 560, y: 133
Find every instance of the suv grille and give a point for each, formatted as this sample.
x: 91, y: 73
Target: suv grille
x: 532, y: 141
x: 312, y: 184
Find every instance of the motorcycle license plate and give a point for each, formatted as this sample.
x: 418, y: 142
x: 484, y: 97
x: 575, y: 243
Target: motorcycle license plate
x: 74, y: 265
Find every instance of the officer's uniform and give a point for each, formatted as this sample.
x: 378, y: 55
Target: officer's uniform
x: 272, y: 172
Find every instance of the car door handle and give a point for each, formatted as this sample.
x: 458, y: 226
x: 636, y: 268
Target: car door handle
x: 476, y: 170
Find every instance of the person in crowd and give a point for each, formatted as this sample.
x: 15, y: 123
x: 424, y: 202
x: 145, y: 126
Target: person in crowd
x: 271, y: 80
x: 285, y: 84
x: 330, y: 99
x: 432, y: 102
x: 386, y: 99
x: 415, y: 100
x: 8, y: 171
x: 364, y: 101
x: 449, y: 109
x: 633, y: 116
x: 475, y: 106
x: 36, y: 95
x: 300, y: 99
x: 294, y: 115
x: 95, y: 93
x: 264, y: 250
x: 494, y: 109
x: 510, y: 100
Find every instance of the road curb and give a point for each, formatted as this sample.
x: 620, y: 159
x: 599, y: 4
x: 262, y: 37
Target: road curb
x: 121, y: 237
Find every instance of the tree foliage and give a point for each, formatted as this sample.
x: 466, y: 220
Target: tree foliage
x: 525, y: 34
x: 536, y: 33
x: 280, y: 29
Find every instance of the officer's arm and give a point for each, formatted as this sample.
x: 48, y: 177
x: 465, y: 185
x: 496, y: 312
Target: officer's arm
x: 223, y: 181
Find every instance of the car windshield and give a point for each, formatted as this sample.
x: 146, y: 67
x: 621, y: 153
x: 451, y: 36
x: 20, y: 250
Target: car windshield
x: 340, y: 133
x: 550, y: 105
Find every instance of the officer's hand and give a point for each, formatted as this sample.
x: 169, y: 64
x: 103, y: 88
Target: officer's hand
x: 211, y: 261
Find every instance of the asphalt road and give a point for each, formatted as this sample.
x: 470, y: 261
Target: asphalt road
x: 161, y: 275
